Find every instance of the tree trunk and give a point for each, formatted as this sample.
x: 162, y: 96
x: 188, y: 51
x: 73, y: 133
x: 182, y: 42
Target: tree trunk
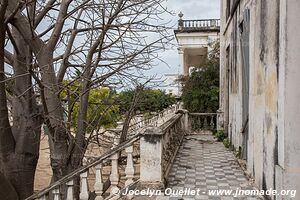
x: 20, y: 164
x: 20, y: 171
x: 7, y: 191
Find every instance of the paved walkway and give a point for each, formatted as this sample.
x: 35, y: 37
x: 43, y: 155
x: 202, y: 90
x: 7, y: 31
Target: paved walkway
x: 206, y: 165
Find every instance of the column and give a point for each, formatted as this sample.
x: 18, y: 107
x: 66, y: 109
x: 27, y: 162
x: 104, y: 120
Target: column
x: 182, y: 69
x: 151, y: 158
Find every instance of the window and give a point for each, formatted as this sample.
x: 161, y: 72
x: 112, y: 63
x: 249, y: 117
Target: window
x: 228, y: 8
x: 233, y: 61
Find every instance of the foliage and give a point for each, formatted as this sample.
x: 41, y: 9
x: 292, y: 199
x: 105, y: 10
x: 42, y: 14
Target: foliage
x: 226, y: 142
x: 220, y: 135
x: 151, y: 100
x: 201, y: 89
x: 102, y: 110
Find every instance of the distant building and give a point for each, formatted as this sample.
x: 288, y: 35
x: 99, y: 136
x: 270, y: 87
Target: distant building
x: 194, y: 38
x: 260, y: 70
x: 171, y: 85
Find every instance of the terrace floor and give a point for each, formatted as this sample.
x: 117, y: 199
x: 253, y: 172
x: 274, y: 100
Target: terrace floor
x: 205, y: 165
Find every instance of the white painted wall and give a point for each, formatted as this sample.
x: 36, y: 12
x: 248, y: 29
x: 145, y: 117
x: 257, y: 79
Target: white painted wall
x: 274, y: 118
x: 290, y: 94
x: 189, y: 42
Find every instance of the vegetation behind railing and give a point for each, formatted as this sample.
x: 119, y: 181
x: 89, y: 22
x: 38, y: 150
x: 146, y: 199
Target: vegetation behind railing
x: 203, y: 121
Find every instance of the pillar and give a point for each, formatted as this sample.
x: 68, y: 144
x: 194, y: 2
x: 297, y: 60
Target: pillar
x: 151, y: 158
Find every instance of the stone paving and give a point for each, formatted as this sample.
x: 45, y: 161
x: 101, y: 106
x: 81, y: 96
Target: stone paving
x: 203, y: 163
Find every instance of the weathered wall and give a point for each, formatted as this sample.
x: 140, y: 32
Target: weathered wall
x: 273, y: 139
x: 288, y: 169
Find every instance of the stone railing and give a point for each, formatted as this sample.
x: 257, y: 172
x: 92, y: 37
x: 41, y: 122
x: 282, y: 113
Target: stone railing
x: 111, y: 159
x: 202, y: 121
x: 202, y: 24
x: 107, y: 175
x: 157, y: 119
x: 159, y: 146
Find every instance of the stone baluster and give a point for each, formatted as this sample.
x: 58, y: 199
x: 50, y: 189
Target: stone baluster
x: 70, y: 190
x: 140, y: 121
x: 98, y: 186
x: 44, y: 197
x: 129, y: 170
x: 212, y: 123
x: 114, y: 176
x: 205, y: 122
x: 56, y: 194
x: 213, y: 23
x: 84, y: 191
x: 201, y: 122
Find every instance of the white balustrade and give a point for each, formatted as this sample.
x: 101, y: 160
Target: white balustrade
x: 98, y: 187
x: 114, y: 176
x: 43, y: 197
x: 70, y: 190
x: 206, y: 23
x: 129, y: 170
x: 84, y: 191
x: 56, y: 194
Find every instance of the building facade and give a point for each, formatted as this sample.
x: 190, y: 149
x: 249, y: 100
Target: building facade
x: 194, y: 38
x: 259, y: 83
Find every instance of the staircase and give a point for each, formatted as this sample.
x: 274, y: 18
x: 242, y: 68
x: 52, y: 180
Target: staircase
x: 144, y: 158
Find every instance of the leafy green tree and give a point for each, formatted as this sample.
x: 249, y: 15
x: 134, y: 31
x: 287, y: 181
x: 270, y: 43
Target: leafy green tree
x: 102, y: 110
x: 151, y: 100
x: 201, y: 89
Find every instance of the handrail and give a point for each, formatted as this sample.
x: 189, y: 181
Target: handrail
x: 202, y: 114
x: 164, y: 127
x: 82, y: 169
x: 175, y: 106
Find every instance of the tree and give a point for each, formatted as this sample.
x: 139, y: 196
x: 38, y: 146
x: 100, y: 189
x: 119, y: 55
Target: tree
x: 7, y: 191
x: 102, y: 108
x: 201, y: 89
x: 151, y: 100
x: 93, y: 43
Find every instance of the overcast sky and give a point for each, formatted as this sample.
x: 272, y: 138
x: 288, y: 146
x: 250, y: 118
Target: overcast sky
x: 192, y: 9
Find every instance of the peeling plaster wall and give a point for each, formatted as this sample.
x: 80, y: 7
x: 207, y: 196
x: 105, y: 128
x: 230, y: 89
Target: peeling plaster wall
x: 264, y: 136
x: 289, y: 115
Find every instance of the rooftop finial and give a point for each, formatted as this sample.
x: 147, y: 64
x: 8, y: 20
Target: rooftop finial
x: 180, y: 15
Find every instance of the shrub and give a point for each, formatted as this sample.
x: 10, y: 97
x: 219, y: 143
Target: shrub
x: 220, y: 135
x: 226, y: 142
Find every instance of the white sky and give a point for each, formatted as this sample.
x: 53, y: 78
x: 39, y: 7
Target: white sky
x: 192, y: 9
